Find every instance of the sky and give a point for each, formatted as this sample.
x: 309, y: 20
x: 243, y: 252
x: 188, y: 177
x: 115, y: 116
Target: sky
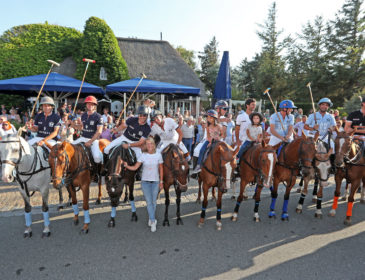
x: 189, y: 23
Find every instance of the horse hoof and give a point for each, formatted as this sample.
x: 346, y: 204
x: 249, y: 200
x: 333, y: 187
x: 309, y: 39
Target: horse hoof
x: 166, y: 223
x: 319, y: 216
x: 219, y: 228
x: 314, y: 200
x: 299, y: 190
x: 111, y: 222
x: 332, y: 213
x: 28, y: 234
x: 59, y: 208
x: 84, y: 231
x: 343, y: 198
x: 347, y: 222
x: 179, y: 222
x: 46, y: 234
x: 76, y: 222
x: 233, y: 197
x: 285, y: 217
x: 200, y: 225
x: 98, y: 201
x: 299, y: 211
x: 125, y: 200
x: 272, y: 215
x: 256, y: 219
x: 362, y: 201
x: 134, y: 217
x: 214, y: 199
x: 234, y: 219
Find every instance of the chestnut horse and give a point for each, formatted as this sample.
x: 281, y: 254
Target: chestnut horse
x: 350, y: 164
x: 320, y: 172
x: 217, y: 171
x: 117, y: 177
x: 175, y: 172
x: 256, y: 166
x: 294, y: 157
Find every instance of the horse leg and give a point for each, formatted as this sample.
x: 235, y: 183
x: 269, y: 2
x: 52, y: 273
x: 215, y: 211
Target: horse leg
x: 233, y: 197
x: 213, y: 194
x: 75, y: 207
x: 178, y: 201
x: 303, y: 194
x: 198, y: 200
x: 284, y: 214
x: 347, y: 191
x: 98, y: 200
x: 46, y: 231
x: 125, y: 196
x: 134, y: 217
x: 239, y: 200
x: 338, y: 180
x: 85, y: 207
x: 167, y: 203
x: 355, y: 184
x: 60, y: 199
x: 274, y: 196
x: 315, y: 189
x: 219, y: 210
x: 204, y: 205
x: 27, y: 215
x: 318, y: 213
x: 362, y: 197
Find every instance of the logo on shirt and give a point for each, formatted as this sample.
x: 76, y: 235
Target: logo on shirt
x: 140, y: 133
x: 91, y: 122
x: 51, y: 124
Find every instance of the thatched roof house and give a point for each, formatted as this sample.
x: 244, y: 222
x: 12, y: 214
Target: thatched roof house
x: 159, y: 61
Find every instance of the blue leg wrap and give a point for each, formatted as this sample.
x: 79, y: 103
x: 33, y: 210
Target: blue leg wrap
x: 238, y: 203
x: 86, y: 217
x: 271, y: 188
x: 133, y: 206
x: 219, y: 210
x: 75, y: 207
x: 114, y: 212
x: 272, y: 205
x: 285, y: 206
x: 46, y: 218
x: 203, y: 209
x: 284, y: 215
x: 28, y: 219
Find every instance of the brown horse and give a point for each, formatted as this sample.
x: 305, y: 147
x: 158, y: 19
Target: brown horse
x: 175, y: 172
x: 71, y: 167
x: 350, y: 164
x: 256, y: 166
x: 294, y: 157
x: 217, y: 171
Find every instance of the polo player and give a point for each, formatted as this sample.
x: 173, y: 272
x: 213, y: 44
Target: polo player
x: 46, y: 124
x: 356, y: 118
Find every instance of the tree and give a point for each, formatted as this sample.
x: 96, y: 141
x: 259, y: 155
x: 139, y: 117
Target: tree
x: 209, y: 64
x: 187, y: 55
x: 100, y: 44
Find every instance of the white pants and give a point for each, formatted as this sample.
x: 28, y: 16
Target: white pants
x: 37, y: 139
x: 274, y: 140
x: 95, y: 150
x: 325, y: 140
x: 197, y: 149
x: 118, y: 142
x: 165, y: 143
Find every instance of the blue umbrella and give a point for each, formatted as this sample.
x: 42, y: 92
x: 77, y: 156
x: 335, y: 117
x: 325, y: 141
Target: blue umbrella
x: 222, y: 90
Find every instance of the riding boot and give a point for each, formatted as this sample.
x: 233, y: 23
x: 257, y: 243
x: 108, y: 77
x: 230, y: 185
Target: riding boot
x: 333, y: 166
x: 195, y: 162
x: 105, y: 160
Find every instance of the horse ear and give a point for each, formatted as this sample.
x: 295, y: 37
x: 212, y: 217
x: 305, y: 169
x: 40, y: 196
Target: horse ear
x: 330, y: 152
x: 63, y: 145
x: 25, y: 145
x: 174, y: 154
x: 263, y: 143
x: 353, y: 132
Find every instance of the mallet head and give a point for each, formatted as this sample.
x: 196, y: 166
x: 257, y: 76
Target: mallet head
x: 309, y: 84
x: 267, y: 91
x: 53, y: 62
x: 143, y: 76
x: 88, y: 60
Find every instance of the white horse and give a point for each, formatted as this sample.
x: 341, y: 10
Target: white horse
x: 28, y: 166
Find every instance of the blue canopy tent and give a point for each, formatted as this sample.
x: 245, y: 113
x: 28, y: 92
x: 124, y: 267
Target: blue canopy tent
x: 57, y: 86
x: 222, y: 89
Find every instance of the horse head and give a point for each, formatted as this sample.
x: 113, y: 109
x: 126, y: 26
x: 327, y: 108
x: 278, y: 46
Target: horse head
x: 266, y: 160
x: 113, y: 178
x: 226, y: 157
x: 177, y: 171
x: 322, y: 162
x: 12, y: 150
x: 307, y: 153
x: 343, y: 147
x: 59, y: 161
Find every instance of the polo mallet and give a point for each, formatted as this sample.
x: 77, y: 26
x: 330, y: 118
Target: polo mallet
x: 53, y: 63
x: 125, y: 106
x: 314, y: 110
x: 272, y: 103
x: 82, y: 82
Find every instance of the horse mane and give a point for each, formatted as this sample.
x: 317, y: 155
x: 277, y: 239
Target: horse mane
x: 125, y: 155
x: 171, y: 147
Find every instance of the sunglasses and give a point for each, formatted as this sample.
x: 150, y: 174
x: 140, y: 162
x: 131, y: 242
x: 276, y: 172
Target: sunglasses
x: 142, y: 115
x: 224, y: 108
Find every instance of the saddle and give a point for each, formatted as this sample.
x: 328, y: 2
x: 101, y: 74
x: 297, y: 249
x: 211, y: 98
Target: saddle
x: 210, y: 148
x: 281, y: 147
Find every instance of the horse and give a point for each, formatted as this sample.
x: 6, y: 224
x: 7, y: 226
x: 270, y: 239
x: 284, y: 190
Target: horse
x: 294, y: 157
x: 71, y: 167
x: 256, y: 166
x: 320, y: 172
x: 175, y: 172
x: 217, y: 171
x: 31, y: 170
x: 350, y: 164
x: 117, y: 177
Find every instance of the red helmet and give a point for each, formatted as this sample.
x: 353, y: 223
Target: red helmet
x: 91, y: 99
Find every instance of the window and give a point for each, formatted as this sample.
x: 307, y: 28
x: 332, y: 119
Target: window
x: 103, y: 75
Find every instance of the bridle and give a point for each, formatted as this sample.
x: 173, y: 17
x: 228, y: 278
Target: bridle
x: 13, y: 163
x: 176, y: 172
x: 301, y: 161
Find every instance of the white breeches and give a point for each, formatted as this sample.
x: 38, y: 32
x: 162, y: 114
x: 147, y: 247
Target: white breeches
x: 118, y: 142
x: 274, y: 140
x: 34, y: 140
x: 95, y: 150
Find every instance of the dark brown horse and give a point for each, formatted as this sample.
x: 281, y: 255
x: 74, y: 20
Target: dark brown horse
x: 294, y: 157
x: 118, y: 177
x: 350, y: 164
x: 256, y: 166
x: 217, y: 171
x: 175, y: 172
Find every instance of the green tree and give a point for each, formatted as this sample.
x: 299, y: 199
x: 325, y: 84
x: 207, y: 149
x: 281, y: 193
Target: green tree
x: 209, y: 64
x: 187, y: 55
x: 100, y: 44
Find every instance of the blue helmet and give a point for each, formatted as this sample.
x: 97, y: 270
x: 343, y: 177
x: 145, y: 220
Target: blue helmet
x: 287, y: 104
x: 221, y: 104
x: 212, y: 113
x: 325, y: 100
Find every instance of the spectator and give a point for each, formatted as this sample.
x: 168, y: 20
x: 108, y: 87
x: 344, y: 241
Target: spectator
x: 299, y: 126
x: 107, y: 119
x: 65, y: 133
x: 188, y: 134
x: 106, y: 133
x: 230, y: 128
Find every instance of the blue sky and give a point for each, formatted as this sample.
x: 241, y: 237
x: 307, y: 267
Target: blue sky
x: 189, y: 23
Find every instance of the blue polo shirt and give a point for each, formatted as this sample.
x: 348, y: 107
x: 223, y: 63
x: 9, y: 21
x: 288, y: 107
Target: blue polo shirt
x: 46, y: 125
x: 90, y: 124
x: 324, y: 122
x: 287, y: 122
x: 135, y: 131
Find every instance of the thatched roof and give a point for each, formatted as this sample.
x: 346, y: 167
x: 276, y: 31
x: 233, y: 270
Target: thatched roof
x: 159, y: 61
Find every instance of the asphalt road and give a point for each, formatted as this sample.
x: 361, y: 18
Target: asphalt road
x: 303, y: 248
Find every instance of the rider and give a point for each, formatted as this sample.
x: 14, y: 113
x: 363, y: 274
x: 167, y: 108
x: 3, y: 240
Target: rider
x: 222, y: 107
x: 214, y: 132
x: 254, y: 132
x: 324, y: 123
x: 91, y: 126
x: 46, y: 124
x: 281, y: 123
x: 356, y: 118
x: 136, y: 130
x: 169, y: 132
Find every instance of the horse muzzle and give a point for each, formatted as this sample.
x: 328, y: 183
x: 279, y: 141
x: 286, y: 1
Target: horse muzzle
x: 7, y: 178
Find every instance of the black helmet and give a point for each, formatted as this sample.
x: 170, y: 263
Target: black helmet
x: 142, y: 110
x: 154, y: 114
